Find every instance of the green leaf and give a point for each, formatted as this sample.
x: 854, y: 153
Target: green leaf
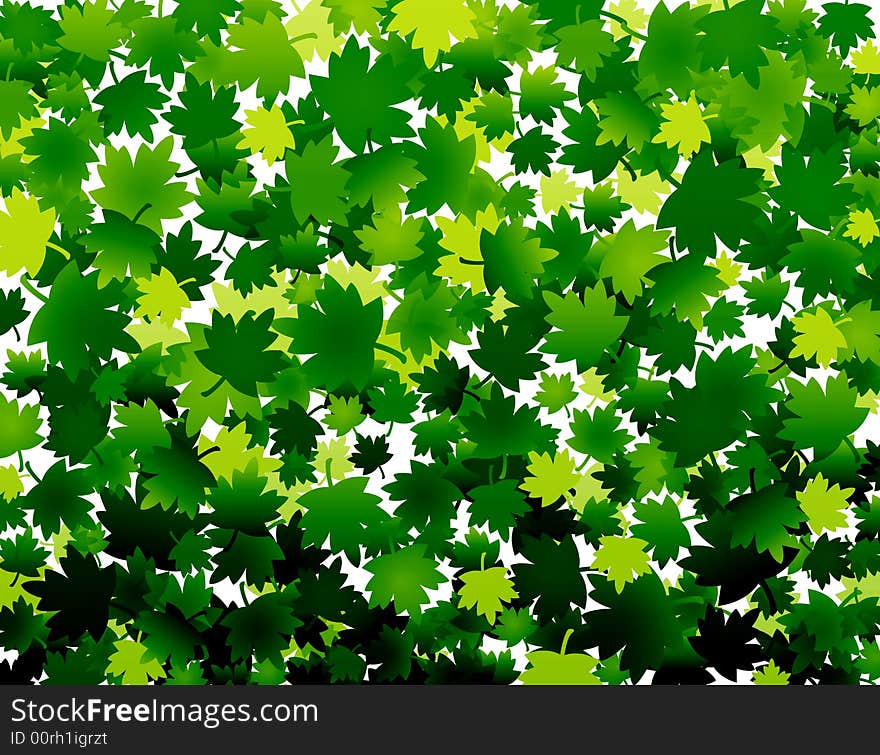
x: 584, y: 328
x: 822, y: 417
x: 486, y: 590
x: 402, y: 577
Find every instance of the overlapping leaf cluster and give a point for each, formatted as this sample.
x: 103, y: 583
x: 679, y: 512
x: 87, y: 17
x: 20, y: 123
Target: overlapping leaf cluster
x: 449, y: 341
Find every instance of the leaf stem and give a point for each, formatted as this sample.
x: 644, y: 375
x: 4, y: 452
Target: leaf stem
x: 141, y: 211
x: 484, y: 381
x: 330, y: 237
x: 204, y: 453
x: 393, y: 294
x: 823, y: 103
x: 770, y: 599
x: 213, y: 388
x: 568, y: 633
x: 852, y: 448
x: 389, y: 350
x: 629, y: 168
x: 26, y: 285
x: 34, y: 475
x: 220, y: 244
x: 623, y: 24
x: 61, y: 250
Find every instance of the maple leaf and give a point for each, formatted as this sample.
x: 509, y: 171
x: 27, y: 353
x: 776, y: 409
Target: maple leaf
x: 17, y: 104
x: 629, y: 255
x: 532, y: 152
x: 558, y: 192
x: 363, y: 14
x: 547, y: 556
x: 366, y: 111
x: 672, y: 49
x: 585, y: 328
x: 541, y: 94
x: 345, y: 414
x: 822, y: 263
x: 683, y: 126
x: 818, y: 336
x: 21, y: 627
x: 499, y: 428
x: 547, y: 667
x: 89, y: 29
x: 402, y: 577
x: 10, y: 483
x: 507, y: 354
x: 723, y: 422
x: 25, y: 231
x: 341, y: 335
x: 269, y: 134
x: 549, y: 477
x: 161, y: 297
x: 771, y: 675
x: 487, y: 590
x: 823, y: 417
x: 824, y: 506
x: 556, y: 392
x: 261, y: 628
x: 256, y: 51
x: 862, y: 227
x: 432, y: 26
x: 391, y: 239
x: 737, y: 36
x: 238, y: 351
x: 584, y: 46
x: 78, y: 323
x: 497, y: 505
x: 346, y: 514
x: 845, y: 23
x: 141, y: 187
x: 866, y: 59
x: 624, y: 559
x: 661, y: 526
x: 23, y: 555
x: 79, y: 595
x: 864, y: 105
x: 317, y: 182
x: 132, y: 661
x: 824, y: 198
x: 131, y: 104
x: 711, y: 202
x: 861, y: 329
x: 764, y: 518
